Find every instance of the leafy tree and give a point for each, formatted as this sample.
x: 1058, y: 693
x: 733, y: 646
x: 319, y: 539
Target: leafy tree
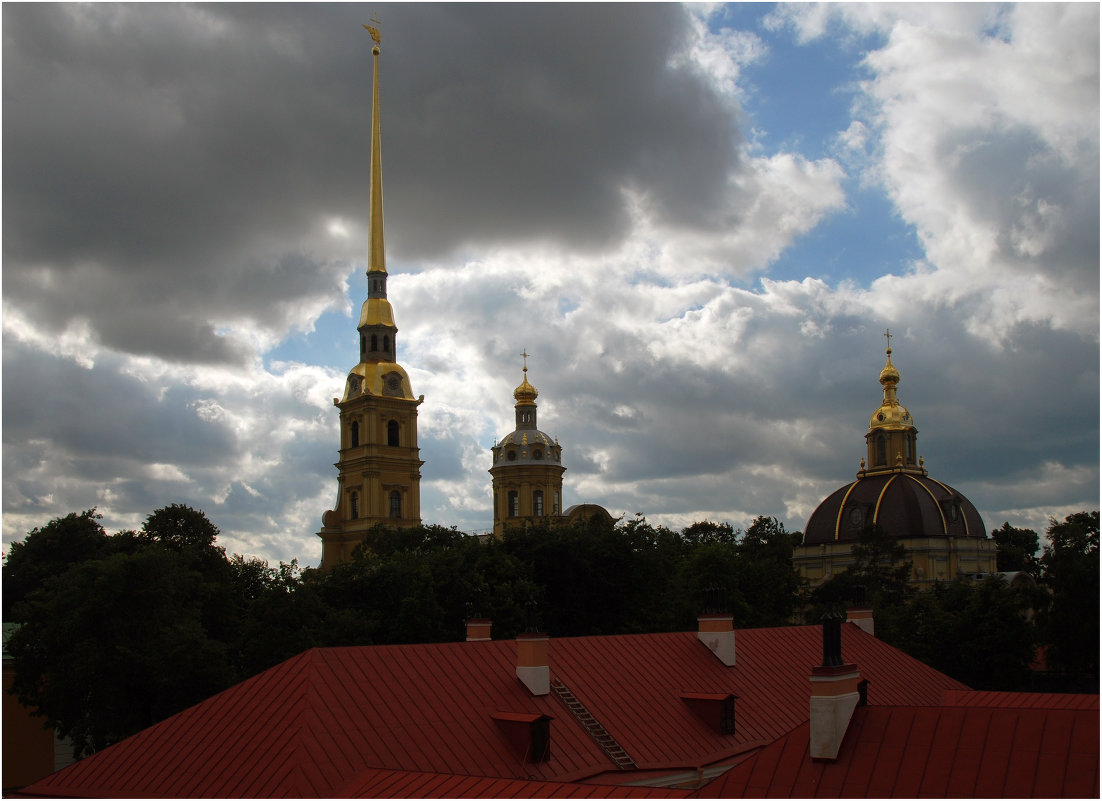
x: 768, y: 580
x: 276, y: 615
x: 705, y: 532
x: 708, y: 566
x: 114, y: 645
x: 880, y: 562
x: 976, y: 633
x: 753, y: 567
x: 1070, y: 625
x: 601, y: 577
x: 419, y: 584
x: 49, y: 551
x: 1016, y: 550
x: 118, y: 632
x: 178, y: 526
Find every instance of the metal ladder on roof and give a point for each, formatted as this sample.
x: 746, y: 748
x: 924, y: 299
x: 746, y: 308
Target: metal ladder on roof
x: 608, y: 743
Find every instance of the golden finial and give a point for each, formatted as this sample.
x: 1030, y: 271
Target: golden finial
x: 525, y: 393
x: 374, y: 31
x: 888, y: 335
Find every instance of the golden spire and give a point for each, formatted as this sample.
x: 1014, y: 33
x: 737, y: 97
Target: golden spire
x: 525, y: 393
x: 376, y: 259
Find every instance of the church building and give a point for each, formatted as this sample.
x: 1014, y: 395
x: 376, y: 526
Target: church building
x: 379, y: 469
x: 941, y: 530
x: 527, y: 467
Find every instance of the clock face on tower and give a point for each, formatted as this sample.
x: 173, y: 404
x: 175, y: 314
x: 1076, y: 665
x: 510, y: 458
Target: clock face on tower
x: 392, y: 385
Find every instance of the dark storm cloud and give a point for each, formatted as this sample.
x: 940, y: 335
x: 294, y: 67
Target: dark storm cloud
x: 100, y: 413
x: 170, y: 168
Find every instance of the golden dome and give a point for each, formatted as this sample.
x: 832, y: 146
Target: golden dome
x: 376, y: 311
x: 526, y: 393
x: 889, y: 375
x: 892, y: 414
x: 383, y: 379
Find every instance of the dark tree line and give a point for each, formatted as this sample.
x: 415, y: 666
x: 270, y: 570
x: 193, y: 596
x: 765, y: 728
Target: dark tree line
x: 1037, y: 632
x: 119, y: 631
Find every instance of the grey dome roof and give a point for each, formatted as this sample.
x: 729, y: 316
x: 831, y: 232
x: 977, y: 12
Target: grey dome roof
x: 527, y: 446
x: 904, y: 505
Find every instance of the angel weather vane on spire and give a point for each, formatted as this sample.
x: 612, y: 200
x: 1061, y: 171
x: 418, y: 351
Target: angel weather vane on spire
x: 374, y: 31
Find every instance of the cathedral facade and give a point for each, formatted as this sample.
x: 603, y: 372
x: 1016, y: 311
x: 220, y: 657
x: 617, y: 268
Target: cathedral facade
x: 940, y: 529
x: 379, y: 469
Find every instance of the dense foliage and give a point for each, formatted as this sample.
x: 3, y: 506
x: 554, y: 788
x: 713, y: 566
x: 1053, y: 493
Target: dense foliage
x: 119, y: 631
x: 989, y: 634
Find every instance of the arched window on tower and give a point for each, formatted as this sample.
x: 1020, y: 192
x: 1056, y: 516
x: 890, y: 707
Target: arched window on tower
x: 386, y: 344
x: 555, y: 508
x: 537, y: 503
x: 514, y: 504
x: 354, y: 506
x: 881, y: 450
x: 355, y: 434
x: 392, y: 433
x: 908, y: 452
x: 395, y: 504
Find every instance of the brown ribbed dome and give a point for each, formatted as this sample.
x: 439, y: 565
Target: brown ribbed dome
x: 904, y: 505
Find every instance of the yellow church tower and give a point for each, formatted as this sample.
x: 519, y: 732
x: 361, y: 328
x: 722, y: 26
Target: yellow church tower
x: 379, y: 470
x: 527, y: 467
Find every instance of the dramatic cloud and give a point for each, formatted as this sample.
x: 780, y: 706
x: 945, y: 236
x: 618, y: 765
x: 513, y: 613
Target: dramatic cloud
x: 185, y: 228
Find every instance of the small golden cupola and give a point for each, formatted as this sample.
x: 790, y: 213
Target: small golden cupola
x: 892, y: 436
x: 527, y: 466
x: 525, y: 395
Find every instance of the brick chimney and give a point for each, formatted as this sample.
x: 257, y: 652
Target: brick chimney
x: 478, y: 629
x: 859, y: 612
x: 835, y: 693
x: 862, y: 617
x: 717, y: 631
x: 532, y: 665
x: 716, y: 626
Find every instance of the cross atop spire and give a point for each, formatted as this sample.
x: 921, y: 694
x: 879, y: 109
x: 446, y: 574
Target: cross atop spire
x: 524, y: 353
x: 888, y: 335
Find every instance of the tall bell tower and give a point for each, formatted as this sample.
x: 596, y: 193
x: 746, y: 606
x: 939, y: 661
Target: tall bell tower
x: 379, y: 470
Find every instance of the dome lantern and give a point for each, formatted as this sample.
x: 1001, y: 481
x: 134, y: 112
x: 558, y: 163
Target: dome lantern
x: 892, y: 435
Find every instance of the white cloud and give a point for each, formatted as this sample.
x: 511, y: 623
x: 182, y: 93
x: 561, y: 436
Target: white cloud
x: 682, y: 381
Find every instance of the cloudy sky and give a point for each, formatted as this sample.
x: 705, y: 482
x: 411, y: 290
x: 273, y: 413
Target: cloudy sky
x: 698, y: 221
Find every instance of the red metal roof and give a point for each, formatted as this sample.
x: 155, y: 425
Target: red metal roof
x: 913, y: 752
x: 403, y: 784
x: 1035, y: 700
x: 313, y: 723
